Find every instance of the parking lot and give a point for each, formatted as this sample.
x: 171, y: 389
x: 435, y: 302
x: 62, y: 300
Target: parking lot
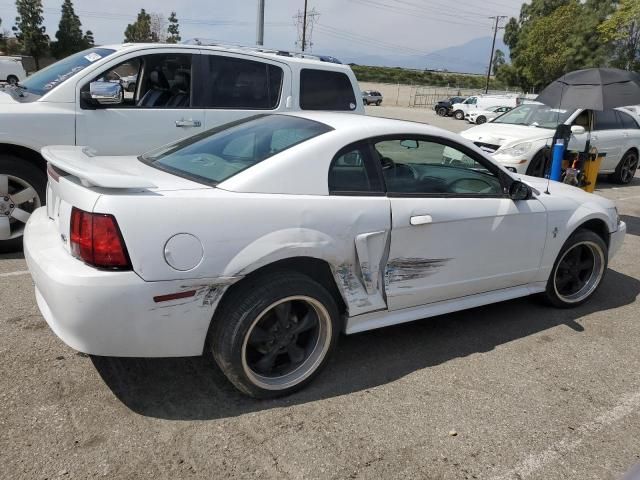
x: 515, y: 390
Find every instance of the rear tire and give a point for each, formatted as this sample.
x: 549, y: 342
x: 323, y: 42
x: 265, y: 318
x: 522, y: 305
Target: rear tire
x: 578, y: 271
x: 19, y: 175
x: 272, y: 336
x: 378, y: 103
x: 626, y: 169
x: 365, y: 102
x: 459, y: 115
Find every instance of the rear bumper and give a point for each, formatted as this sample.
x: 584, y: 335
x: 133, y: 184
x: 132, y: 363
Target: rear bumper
x: 113, y: 313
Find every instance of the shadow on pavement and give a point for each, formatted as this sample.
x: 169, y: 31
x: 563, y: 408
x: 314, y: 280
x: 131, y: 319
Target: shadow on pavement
x: 194, y: 388
x: 11, y: 255
x: 633, y: 224
x: 603, y: 183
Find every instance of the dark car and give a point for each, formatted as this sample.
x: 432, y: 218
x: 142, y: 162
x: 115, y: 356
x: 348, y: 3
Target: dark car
x: 443, y: 107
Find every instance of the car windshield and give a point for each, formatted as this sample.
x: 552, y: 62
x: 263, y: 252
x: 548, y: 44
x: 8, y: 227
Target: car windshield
x: 49, y: 78
x: 216, y: 155
x: 536, y: 115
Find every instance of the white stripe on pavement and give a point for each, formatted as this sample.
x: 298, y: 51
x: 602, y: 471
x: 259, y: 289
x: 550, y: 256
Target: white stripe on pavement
x: 14, y: 274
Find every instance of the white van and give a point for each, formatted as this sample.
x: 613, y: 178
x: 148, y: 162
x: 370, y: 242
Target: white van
x: 11, y: 70
x: 483, y: 102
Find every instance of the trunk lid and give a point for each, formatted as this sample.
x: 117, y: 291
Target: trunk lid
x: 77, y: 178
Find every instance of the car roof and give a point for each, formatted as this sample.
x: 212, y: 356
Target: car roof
x: 283, y: 56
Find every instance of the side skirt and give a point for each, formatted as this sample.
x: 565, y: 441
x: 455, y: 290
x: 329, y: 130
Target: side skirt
x: 385, y: 318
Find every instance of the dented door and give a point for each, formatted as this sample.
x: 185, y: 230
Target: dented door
x: 456, y: 247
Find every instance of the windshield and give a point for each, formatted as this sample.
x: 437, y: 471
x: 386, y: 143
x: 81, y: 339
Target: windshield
x: 49, y: 78
x: 216, y: 155
x: 536, y: 115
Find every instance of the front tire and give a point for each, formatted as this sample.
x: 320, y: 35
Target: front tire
x: 273, y: 336
x: 536, y: 166
x: 442, y: 112
x: 22, y: 190
x: 459, y: 115
x: 378, y: 103
x: 578, y: 271
x: 365, y: 102
x: 12, y: 80
x: 480, y: 120
x: 626, y: 169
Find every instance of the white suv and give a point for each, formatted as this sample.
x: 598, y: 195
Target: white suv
x: 172, y: 91
x: 520, y: 139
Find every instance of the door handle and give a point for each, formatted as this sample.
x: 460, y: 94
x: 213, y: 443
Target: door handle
x: 420, y: 220
x: 188, y: 123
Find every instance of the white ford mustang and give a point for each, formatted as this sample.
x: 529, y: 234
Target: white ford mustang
x: 260, y: 241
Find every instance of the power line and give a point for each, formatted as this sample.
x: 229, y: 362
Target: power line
x: 493, y: 47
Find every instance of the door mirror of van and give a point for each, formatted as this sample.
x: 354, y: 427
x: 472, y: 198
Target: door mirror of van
x: 106, y: 93
x: 577, y: 129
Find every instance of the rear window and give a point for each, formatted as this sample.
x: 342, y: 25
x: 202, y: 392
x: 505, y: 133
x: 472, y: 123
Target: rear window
x: 326, y: 90
x: 216, y: 155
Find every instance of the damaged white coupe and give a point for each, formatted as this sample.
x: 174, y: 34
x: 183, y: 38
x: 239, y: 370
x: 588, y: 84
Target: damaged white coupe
x: 259, y: 242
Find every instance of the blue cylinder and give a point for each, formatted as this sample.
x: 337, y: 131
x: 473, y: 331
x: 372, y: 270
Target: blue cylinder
x: 556, y: 161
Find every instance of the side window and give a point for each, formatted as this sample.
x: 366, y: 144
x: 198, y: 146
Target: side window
x: 326, y: 90
x: 237, y: 83
x: 351, y: 172
x: 126, y: 74
x: 627, y: 121
x: 607, y: 120
x: 413, y: 166
x: 582, y: 120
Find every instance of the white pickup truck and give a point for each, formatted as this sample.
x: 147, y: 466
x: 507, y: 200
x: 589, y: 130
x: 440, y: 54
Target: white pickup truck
x: 171, y: 92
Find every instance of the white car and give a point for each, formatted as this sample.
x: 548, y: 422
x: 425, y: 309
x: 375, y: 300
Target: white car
x: 257, y: 243
x: 172, y: 91
x: 11, y: 70
x: 520, y: 139
x: 482, y: 102
x: 483, y: 116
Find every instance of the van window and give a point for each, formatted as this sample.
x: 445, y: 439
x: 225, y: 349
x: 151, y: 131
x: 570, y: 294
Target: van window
x: 237, y: 83
x: 325, y: 90
x: 607, y: 120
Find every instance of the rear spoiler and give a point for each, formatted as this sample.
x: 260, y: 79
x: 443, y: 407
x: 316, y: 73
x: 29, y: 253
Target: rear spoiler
x: 80, y: 162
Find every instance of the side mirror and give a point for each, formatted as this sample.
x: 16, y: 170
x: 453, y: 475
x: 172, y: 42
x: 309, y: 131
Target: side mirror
x: 577, y: 129
x: 519, y: 191
x: 106, y: 93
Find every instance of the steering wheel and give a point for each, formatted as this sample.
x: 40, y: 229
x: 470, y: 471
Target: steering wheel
x: 452, y: 186
x: 387, y: 163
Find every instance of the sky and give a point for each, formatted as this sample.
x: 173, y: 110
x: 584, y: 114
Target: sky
x: 367, y: 27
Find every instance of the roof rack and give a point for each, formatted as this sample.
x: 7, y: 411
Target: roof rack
x: 257, y: 48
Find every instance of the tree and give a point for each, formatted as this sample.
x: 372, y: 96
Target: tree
x: 552, y: 37
x: 140, y: 30
x: 498, y: 61
x: 88, y: 40
x: 622, y: 28
x: 174, y: 29
x: 29, y: 29
x: 69, y: 35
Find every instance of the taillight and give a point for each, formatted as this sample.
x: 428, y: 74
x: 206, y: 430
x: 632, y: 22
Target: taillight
x: 96, y: 239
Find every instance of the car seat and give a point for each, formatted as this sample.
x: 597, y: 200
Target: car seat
x: 158, y: 94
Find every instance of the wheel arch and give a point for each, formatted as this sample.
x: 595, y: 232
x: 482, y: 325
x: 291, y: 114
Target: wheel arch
x: 597, y: 226
x: 32, y: 156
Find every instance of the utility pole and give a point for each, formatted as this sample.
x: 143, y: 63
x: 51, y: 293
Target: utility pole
x: 493, y: 47
x: 304, y: 26
x: 260, y: 25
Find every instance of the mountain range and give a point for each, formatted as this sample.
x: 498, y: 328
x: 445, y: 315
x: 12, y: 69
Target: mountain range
x: 470, y: 57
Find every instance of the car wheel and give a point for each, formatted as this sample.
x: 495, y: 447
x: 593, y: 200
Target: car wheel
x: 442, y: 112
x: 12, y: 80
x: 536, y: 166
x: 459, y: 115
x: 131, y: 87
x: 378, y: 102
x: 22, y: 190
x: 272, y: 337
x: 365, y: 102
x: 480, y: 120
x: 578, y: 271
x: 626, y: 169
